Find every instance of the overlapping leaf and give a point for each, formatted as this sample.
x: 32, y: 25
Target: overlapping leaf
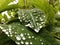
x: 24, y: 36
x: 33, y: 18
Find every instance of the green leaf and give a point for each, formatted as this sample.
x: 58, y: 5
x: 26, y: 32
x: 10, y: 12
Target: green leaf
x: 10, y: 4
x: 33, y: 18
x: 5, y: 40
x: 8, y: 15
x: 23, y: 35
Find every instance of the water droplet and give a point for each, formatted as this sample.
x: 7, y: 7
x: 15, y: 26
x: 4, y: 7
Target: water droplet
x: 36, y: 30
x: 41, y: 19
x: 10, y: 29
x: 37, y: 23
x: 37, y: 17
x: 1, y: 27
x: 18, y: 43
x: 22, y: 42
x: 11, y: 35
x: 28, y: 34
x: 15, y: 32
x: 23, y: 38
x: 40, y: 39
x: 30, y: 42
x: 20, y: 20
x: 29, y: 37
x: 18, y: 17
x: 42, y: 22
x: 58, y: 13
x: 22, y: 29
x: 7, y: 33
x: 25, y: 33
x: 21, y: 35
x: 44, y: 16
x: 18, y: 37
x: 26, y: 43
x: 32, y: 36
x: 40, y: 27
x: 42, y: 43
x: 4, y: 30
x: 28, y: 25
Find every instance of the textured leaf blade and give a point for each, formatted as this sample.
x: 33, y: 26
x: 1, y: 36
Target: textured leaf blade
x: 5, y: 40
x: 22, y: 35
x: 33, y: 18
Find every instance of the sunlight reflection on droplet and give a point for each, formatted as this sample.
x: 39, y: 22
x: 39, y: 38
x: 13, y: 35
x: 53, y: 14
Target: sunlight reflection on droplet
x: 27, y: 43
x: 18, y: 43
x: 42, y: 43
x: 30, y: 42
x: 58, y: 13
x: 22, y: 42
x: 18, y: 37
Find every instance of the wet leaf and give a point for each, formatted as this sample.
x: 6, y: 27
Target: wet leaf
x: 25, y: 36
x: 5, y: 40
x: 33, y: 18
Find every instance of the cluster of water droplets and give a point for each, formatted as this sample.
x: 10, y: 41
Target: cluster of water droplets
x: 33, y: 18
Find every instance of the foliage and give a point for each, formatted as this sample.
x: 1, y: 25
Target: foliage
x: 15, y: 16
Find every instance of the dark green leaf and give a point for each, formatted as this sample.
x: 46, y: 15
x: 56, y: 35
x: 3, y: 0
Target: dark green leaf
x: 23, y: 36
x: 5, y: 40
